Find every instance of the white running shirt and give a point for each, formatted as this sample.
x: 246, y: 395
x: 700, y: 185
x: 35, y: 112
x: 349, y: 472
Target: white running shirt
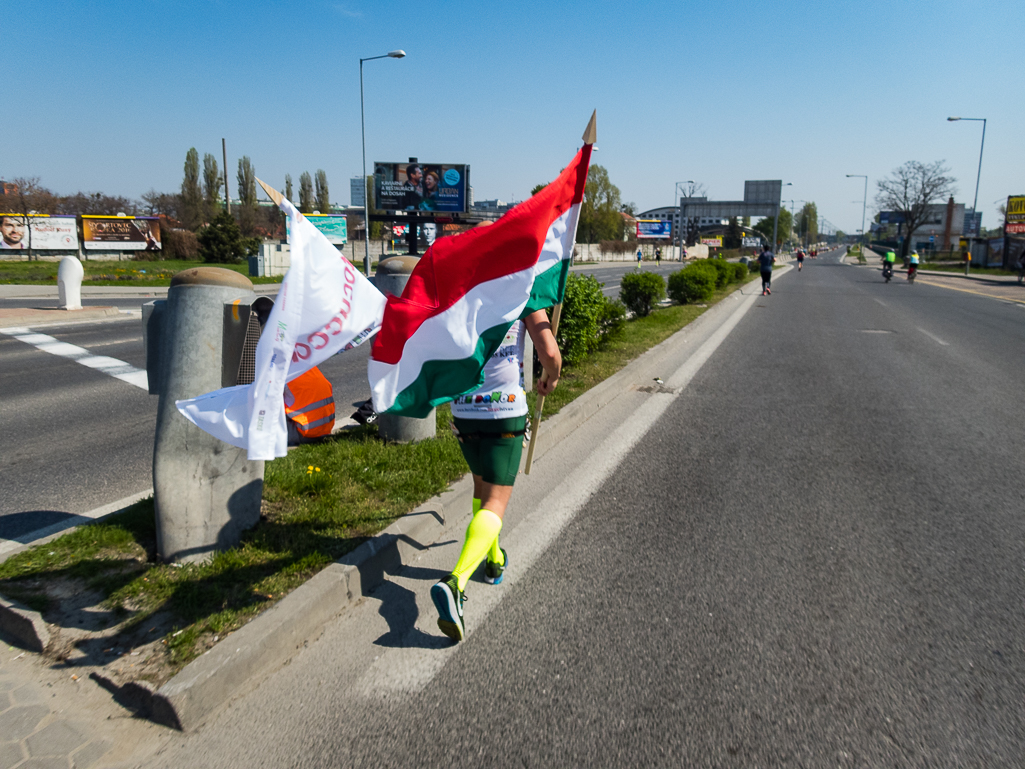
x: 501, y: 396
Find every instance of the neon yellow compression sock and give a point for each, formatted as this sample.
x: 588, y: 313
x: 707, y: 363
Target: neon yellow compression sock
x: 495, y: 553
x: 482, y: 531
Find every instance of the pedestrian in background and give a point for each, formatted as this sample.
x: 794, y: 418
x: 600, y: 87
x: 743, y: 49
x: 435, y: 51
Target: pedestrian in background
x: 765, y: 261
x: 639, y: 255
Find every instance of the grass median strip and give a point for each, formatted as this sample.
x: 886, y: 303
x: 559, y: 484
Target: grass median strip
x: 104, y: 582
x: 113, y: 273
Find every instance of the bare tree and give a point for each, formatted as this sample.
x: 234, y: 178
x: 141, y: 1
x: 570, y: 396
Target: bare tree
x: 693, y: 189
x: 910, y: 190
x: 167, y: 203
x: 25, y: 196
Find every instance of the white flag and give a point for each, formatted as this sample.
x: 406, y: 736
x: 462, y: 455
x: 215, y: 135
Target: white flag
x: 324, y: 306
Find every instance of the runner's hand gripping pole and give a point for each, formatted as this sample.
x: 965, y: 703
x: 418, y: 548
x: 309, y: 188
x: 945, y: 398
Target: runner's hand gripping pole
x: 536, y: 424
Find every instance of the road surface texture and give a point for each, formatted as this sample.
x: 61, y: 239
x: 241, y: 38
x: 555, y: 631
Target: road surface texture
x: 812, y: 555
x: 76, y: 439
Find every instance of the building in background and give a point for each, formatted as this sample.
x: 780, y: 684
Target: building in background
x: 357, y: 191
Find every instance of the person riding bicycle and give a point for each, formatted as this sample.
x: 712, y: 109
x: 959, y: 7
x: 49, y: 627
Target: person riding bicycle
x: 913, y: 265
x: 888, y: 261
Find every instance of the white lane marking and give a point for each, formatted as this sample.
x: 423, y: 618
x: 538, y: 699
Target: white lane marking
x: 880, y: 301
x: 409, y: 669
x: 933, y: 337
x: 118, y: 369
x: 32, y: 537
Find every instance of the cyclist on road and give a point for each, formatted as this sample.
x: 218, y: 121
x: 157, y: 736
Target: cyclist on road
x: 888, y: 261
x: 912, y: 266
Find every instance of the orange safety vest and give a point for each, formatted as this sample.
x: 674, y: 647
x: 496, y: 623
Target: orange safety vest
x: 309, y: 403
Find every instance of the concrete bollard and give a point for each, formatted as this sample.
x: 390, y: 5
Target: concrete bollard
x: 69, y: 284
x: 206, y: 492
x: 391, y: 278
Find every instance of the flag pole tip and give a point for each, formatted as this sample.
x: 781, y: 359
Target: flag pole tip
x: 591, y: 132
x: 276, y: 196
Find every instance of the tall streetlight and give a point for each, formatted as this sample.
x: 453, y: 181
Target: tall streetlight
x: 775, y: 224
x: 979, y: 175
x: 790, y: 235
x: 864, y: 201
x: 676, y: 206
x: 363, y: 130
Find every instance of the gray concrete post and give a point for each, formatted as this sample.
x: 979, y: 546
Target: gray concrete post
x: 69, y: 284
x: 205, y: 491
x: 391, y: 278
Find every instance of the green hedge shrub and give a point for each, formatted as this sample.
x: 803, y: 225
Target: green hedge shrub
x: 739, y: 272
x: 588, y: 318
x: 641, y: 291
x: 723, y: 272
x: 694, y: 283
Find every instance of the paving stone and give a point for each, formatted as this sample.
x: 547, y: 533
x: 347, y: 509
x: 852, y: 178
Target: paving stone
x: 10, y: 754
x: 90, y: 754
x: 50, y: 762
x: 26, y: 695
x: 18, y: 722
x: 56, y: 739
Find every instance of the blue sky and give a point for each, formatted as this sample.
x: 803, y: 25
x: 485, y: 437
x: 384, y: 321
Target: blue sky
x: 109, y: 96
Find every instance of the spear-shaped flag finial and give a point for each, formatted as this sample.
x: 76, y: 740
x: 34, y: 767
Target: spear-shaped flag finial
x: 276, y: 196
x: 591, y: 132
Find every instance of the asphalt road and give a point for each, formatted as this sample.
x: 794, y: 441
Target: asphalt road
x: 814, y: 558
x: 75, y: 439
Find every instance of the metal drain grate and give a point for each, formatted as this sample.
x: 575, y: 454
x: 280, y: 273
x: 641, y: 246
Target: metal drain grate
x: 247, y: 365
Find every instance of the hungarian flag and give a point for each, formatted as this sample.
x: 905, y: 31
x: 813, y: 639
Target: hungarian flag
x: 324, y: 307
x: 467, y: 291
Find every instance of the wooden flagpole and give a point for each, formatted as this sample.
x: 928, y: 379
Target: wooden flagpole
x: 274, y: 195
x: 589, y: 137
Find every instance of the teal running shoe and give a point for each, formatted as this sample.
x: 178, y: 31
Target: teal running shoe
x: 448, y: 600
x: 493, y: 573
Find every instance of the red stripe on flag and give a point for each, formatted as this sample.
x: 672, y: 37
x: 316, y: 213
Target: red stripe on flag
x: 454, y: 265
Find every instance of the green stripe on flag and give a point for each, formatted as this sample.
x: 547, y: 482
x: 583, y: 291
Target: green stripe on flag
x: 549, y: 288
x: 440, y: 381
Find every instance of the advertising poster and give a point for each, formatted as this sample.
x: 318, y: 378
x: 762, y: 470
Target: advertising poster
x: 654, y: 228
x: 715, y: 242
x: 334, y: 227
x: 421, y: 187
x: 751, y: 243
x: 1014, y: 222
x: 57, y: 233
x: 121, y: 233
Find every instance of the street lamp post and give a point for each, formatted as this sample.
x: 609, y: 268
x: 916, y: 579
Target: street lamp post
x: 978, y: 176
x: 864, y: 200
x: 363, y: 131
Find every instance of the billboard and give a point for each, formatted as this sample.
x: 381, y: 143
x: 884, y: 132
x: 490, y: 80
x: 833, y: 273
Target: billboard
x: 1014, y: 222
x: 334, y: 227
x: 750, y: 242
x: 715, y: 242
x: 421, y: 187
x: 891, y: 217
x: 48, y: 232
x: 654, y: 228
x: 121, y: 233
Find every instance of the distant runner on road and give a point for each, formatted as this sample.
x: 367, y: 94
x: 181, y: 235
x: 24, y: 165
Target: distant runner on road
x: 765, y: 261
x: 800, y: 259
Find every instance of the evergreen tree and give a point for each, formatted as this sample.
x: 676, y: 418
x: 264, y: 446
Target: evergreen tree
x: 192, y: 195
x: 306, y: 199
x: 323, y: 196
x: 222, y: 241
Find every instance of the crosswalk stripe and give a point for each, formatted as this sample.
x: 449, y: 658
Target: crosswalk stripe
x: 110, y: 366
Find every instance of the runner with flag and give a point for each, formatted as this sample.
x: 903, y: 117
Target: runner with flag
x: 457, y: 334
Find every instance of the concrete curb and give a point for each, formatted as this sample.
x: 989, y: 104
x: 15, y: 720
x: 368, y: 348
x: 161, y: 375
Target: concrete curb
x: 239, y: 662
x: 24, y: 625
x: 31, y: 317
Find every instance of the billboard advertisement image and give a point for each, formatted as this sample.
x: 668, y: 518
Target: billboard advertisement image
x: 1014, y: 222
x: 334, y: 227
x: 121, y: 233
x: 715, y: 242
x: 48, y: 232
x: 654, y: 228
x: 421, y: 187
